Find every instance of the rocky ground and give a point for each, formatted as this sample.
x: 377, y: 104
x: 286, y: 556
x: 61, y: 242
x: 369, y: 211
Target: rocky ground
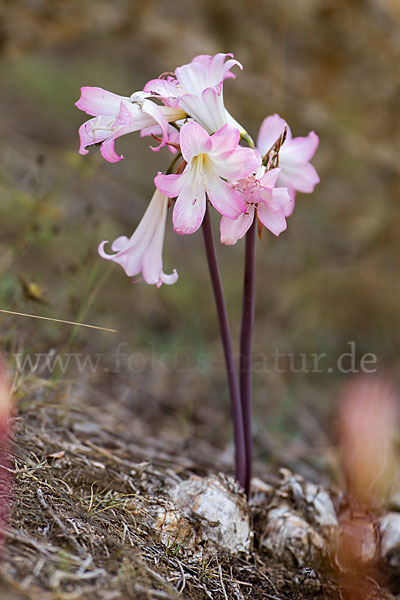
x: 99, y: 514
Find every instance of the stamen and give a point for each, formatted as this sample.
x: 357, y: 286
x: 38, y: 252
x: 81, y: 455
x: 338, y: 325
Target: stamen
x: 165, y: 74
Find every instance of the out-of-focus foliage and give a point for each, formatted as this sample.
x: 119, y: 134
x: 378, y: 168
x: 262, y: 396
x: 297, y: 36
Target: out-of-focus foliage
x: 333, y: 277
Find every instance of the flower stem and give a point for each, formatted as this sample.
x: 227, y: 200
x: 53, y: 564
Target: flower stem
x: 246, y: 339
x: 234, y: 390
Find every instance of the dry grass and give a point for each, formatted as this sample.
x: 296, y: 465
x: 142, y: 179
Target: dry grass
x: 83, y: 519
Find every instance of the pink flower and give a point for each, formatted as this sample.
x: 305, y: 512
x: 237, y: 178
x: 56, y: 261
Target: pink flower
x: 259, y: 194
x: 118, y: 115
x: 198, y: 89
x: 210, y: 160
x: 142, y: 253
x: 297, y: 173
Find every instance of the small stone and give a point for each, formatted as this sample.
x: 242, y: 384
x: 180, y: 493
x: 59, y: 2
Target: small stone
x: 289, y: 538
x: 389, y: 528
x: 218, y: 507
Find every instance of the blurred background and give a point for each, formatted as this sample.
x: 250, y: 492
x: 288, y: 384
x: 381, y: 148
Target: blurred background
x: 326, y: 65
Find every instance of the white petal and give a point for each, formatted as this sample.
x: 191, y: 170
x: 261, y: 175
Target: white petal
x: 189, y: 211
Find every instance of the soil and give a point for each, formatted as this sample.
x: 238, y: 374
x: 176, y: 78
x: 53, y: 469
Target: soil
x: 82, y: 523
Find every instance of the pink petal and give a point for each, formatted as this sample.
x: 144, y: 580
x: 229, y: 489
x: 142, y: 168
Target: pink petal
x: 87, y: 136
x: 289, y: 207
x: 170, y: 185
x: 270, y: 177
x: 194, y: 140
x: 274, y: 220
x: 220, y: 70
x: 154, y: 111
x: 108, y: 151
x: 189, y: 211
x: 299, y: 150
x: 166, y: 88
x: 280, y: 199
x: 303, y: 177
x: 122, y: 124
x: 224, y: 197
x: 237, y: 165
x: 270, y: 131
x: 233, y: 230
x: 124, y: 117
x: 96, y: 101
x: 225, y: 141
x: 215, y: 67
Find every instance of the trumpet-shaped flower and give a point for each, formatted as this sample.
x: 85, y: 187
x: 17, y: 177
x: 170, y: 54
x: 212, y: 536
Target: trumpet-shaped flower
x: 297, y: 173
x: 198, y: 89
x: 118, y: 115
x: 142, y: 253
x: 210, y: 161
x: 262, y: 198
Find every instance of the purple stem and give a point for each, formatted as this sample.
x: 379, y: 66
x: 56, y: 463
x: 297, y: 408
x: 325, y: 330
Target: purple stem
x: 246, y: 339
x: 228, y: 350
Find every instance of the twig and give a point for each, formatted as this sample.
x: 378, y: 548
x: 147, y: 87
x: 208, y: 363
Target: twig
x: 222, y: 582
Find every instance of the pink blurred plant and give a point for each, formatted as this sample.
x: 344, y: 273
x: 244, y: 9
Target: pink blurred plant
x: 249, y: 186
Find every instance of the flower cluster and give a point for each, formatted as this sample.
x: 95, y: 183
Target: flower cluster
x: 185, y: 112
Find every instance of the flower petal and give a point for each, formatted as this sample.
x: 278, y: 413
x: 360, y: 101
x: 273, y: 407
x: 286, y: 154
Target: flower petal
x: 270, y: 131
x: 279, y: 198
x: 124, y: 123
x: 96, y: 101
x: 192, y: 77
x: 238, y: 164
x: 207, y: 109
x: 152, y: 267
x: 165, y: 88
x: 90, y: 133
x: 274, y: 220
x: 194, y: 140
x: 223, y: 196
x: 289, y: 207
x: 143, y: 251
x: 168, y: 279
x: 218, y: 69
x: 233, y: 230
x: 155, y: 111
x: 269, y: 178
x: 299, y: 150
x: 189, y: 211
x: 108, y: 151
x: 170, y: 185
x: 302, y: 177
x: 225, y: 141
